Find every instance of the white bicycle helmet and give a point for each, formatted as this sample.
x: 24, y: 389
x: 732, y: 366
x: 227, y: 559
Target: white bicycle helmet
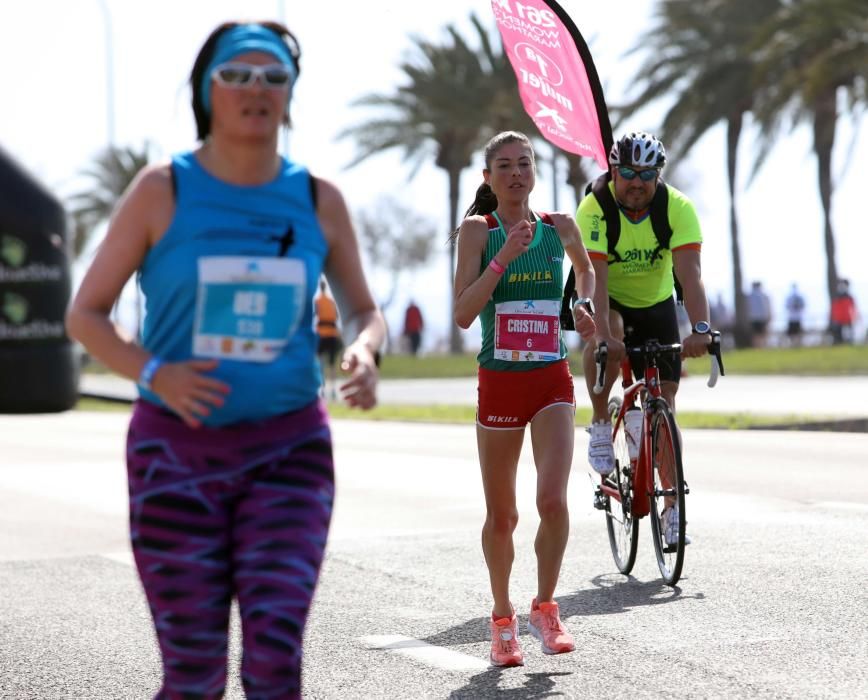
x: 638, y: 148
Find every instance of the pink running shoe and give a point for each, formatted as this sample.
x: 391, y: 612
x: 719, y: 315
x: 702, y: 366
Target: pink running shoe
x: 545, y: 624
x: 505, y: 649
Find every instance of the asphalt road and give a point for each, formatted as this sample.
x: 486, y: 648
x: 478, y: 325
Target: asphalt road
x: 772, y: 603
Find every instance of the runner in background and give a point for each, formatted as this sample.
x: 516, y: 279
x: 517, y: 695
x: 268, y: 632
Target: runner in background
x: 329, y: 339
x: 509, y: 274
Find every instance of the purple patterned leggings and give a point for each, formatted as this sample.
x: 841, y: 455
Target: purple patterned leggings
x: 217, y: 513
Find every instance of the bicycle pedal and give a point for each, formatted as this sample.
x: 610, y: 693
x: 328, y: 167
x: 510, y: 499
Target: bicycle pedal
x: 599, y: 499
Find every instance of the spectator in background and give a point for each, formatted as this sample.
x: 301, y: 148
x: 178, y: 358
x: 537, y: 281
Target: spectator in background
x: 329, y: 338
x: 413, y: 325
x: 842, y: 314
x: 795, y: 305
x: 759, y: 313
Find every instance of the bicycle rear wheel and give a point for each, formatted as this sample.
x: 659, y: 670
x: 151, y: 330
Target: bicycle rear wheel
x: 622, y: 527
x: 669, y: 491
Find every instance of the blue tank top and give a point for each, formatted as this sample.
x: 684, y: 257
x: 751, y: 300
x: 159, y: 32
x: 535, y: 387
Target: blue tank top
x: 233, y: 278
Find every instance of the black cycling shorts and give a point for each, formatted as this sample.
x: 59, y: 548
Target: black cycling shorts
x: 658, y: 322
x: 329, y: 346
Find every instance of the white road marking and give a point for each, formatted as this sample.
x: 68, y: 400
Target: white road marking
x: 842, y: 505
x: 120, y: 557
x: 428, y: 654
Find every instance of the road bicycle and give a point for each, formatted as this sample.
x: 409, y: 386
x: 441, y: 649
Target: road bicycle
x: 649, y: 480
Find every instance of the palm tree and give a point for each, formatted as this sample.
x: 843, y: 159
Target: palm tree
x: 451, y: 101
x: 110, y: 174
x: 809, y: 52
x: 699, y: 57
x: 577, y: 176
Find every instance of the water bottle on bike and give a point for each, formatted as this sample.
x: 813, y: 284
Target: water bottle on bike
x: 633, y: 431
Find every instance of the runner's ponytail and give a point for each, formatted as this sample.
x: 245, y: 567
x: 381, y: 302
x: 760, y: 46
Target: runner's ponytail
x: 484, y: 203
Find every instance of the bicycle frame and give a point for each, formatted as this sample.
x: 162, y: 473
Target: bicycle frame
x: 650, y: 383
x: 652, y: 482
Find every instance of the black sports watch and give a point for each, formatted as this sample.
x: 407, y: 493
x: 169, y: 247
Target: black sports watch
x: 586, y: 303
x: 702, y: 328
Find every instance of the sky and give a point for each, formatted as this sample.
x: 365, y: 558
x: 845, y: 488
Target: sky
x: 57, y: 114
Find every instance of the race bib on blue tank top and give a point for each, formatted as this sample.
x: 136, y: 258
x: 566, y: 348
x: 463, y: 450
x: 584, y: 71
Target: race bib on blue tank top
x: 247, y: 308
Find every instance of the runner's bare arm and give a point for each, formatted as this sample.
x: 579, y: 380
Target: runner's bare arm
x: 361, y: 319
x: 142, y: 214
x: 688, y: 270
x: 472, y: 289
x: 571, y: 239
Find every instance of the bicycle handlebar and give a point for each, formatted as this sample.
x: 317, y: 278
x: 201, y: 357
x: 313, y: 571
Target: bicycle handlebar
x: 716, y: 359
x: 652, y: 347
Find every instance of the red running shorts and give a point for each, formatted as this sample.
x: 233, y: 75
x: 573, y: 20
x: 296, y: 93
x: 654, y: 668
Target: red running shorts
x: 511, y: 400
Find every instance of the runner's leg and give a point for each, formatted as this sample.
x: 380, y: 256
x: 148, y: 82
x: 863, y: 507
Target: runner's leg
x: 499, y: 451
x: 179, y: 534
x: 281, y: 527
x: 599, y: 402
x: 552, y: 434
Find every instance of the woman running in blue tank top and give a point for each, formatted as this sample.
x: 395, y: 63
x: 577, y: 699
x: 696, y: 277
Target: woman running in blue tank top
x: 229, y: 453
x: 510, y: 275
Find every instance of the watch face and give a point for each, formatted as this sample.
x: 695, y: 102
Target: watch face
x: 586, y: 303
x: 701, y: 327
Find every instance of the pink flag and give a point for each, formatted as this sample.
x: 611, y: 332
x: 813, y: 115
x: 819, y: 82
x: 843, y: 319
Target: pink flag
x: 557, y: 80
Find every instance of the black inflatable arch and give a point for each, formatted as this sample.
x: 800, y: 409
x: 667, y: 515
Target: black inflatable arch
x: 38, y: 363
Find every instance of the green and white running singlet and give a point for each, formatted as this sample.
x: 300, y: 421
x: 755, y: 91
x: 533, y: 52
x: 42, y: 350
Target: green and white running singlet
x: 521, y: 327
x: 635, y: 282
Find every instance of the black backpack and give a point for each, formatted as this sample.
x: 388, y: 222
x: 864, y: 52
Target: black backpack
x: 612, y: 215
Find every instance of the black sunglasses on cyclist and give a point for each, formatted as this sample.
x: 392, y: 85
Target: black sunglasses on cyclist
x: 238, y: 75
x: 644, y: 175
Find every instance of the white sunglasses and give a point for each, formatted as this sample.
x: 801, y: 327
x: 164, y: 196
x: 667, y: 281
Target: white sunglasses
x: 239, y: 75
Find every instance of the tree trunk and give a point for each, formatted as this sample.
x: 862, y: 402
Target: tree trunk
x: 825, y: 121
x: 741, y: 330
x: 456, y: 341
x: 577, y: 176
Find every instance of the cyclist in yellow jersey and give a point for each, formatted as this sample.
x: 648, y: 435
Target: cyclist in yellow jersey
x: 509, y: 275
x: 634, y: 290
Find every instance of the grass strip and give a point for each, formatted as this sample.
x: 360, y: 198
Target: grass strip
x: 466, y: 415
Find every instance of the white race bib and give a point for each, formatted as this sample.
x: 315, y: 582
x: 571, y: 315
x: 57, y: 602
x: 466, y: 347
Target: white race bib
x: 247, y: 308
x: 527, y: 331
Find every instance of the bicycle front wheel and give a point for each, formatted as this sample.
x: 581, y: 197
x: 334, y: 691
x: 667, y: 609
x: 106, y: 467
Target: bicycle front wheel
x: 668, y: 511
x: 622, y: 527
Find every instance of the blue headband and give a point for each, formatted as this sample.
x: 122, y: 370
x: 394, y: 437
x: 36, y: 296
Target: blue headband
x: 243, y: 39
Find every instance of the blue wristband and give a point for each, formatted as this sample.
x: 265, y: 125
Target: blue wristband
x: 148, y: 372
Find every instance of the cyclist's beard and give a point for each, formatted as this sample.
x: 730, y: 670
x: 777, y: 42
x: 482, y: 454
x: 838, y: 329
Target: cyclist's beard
x: 637, y: 200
